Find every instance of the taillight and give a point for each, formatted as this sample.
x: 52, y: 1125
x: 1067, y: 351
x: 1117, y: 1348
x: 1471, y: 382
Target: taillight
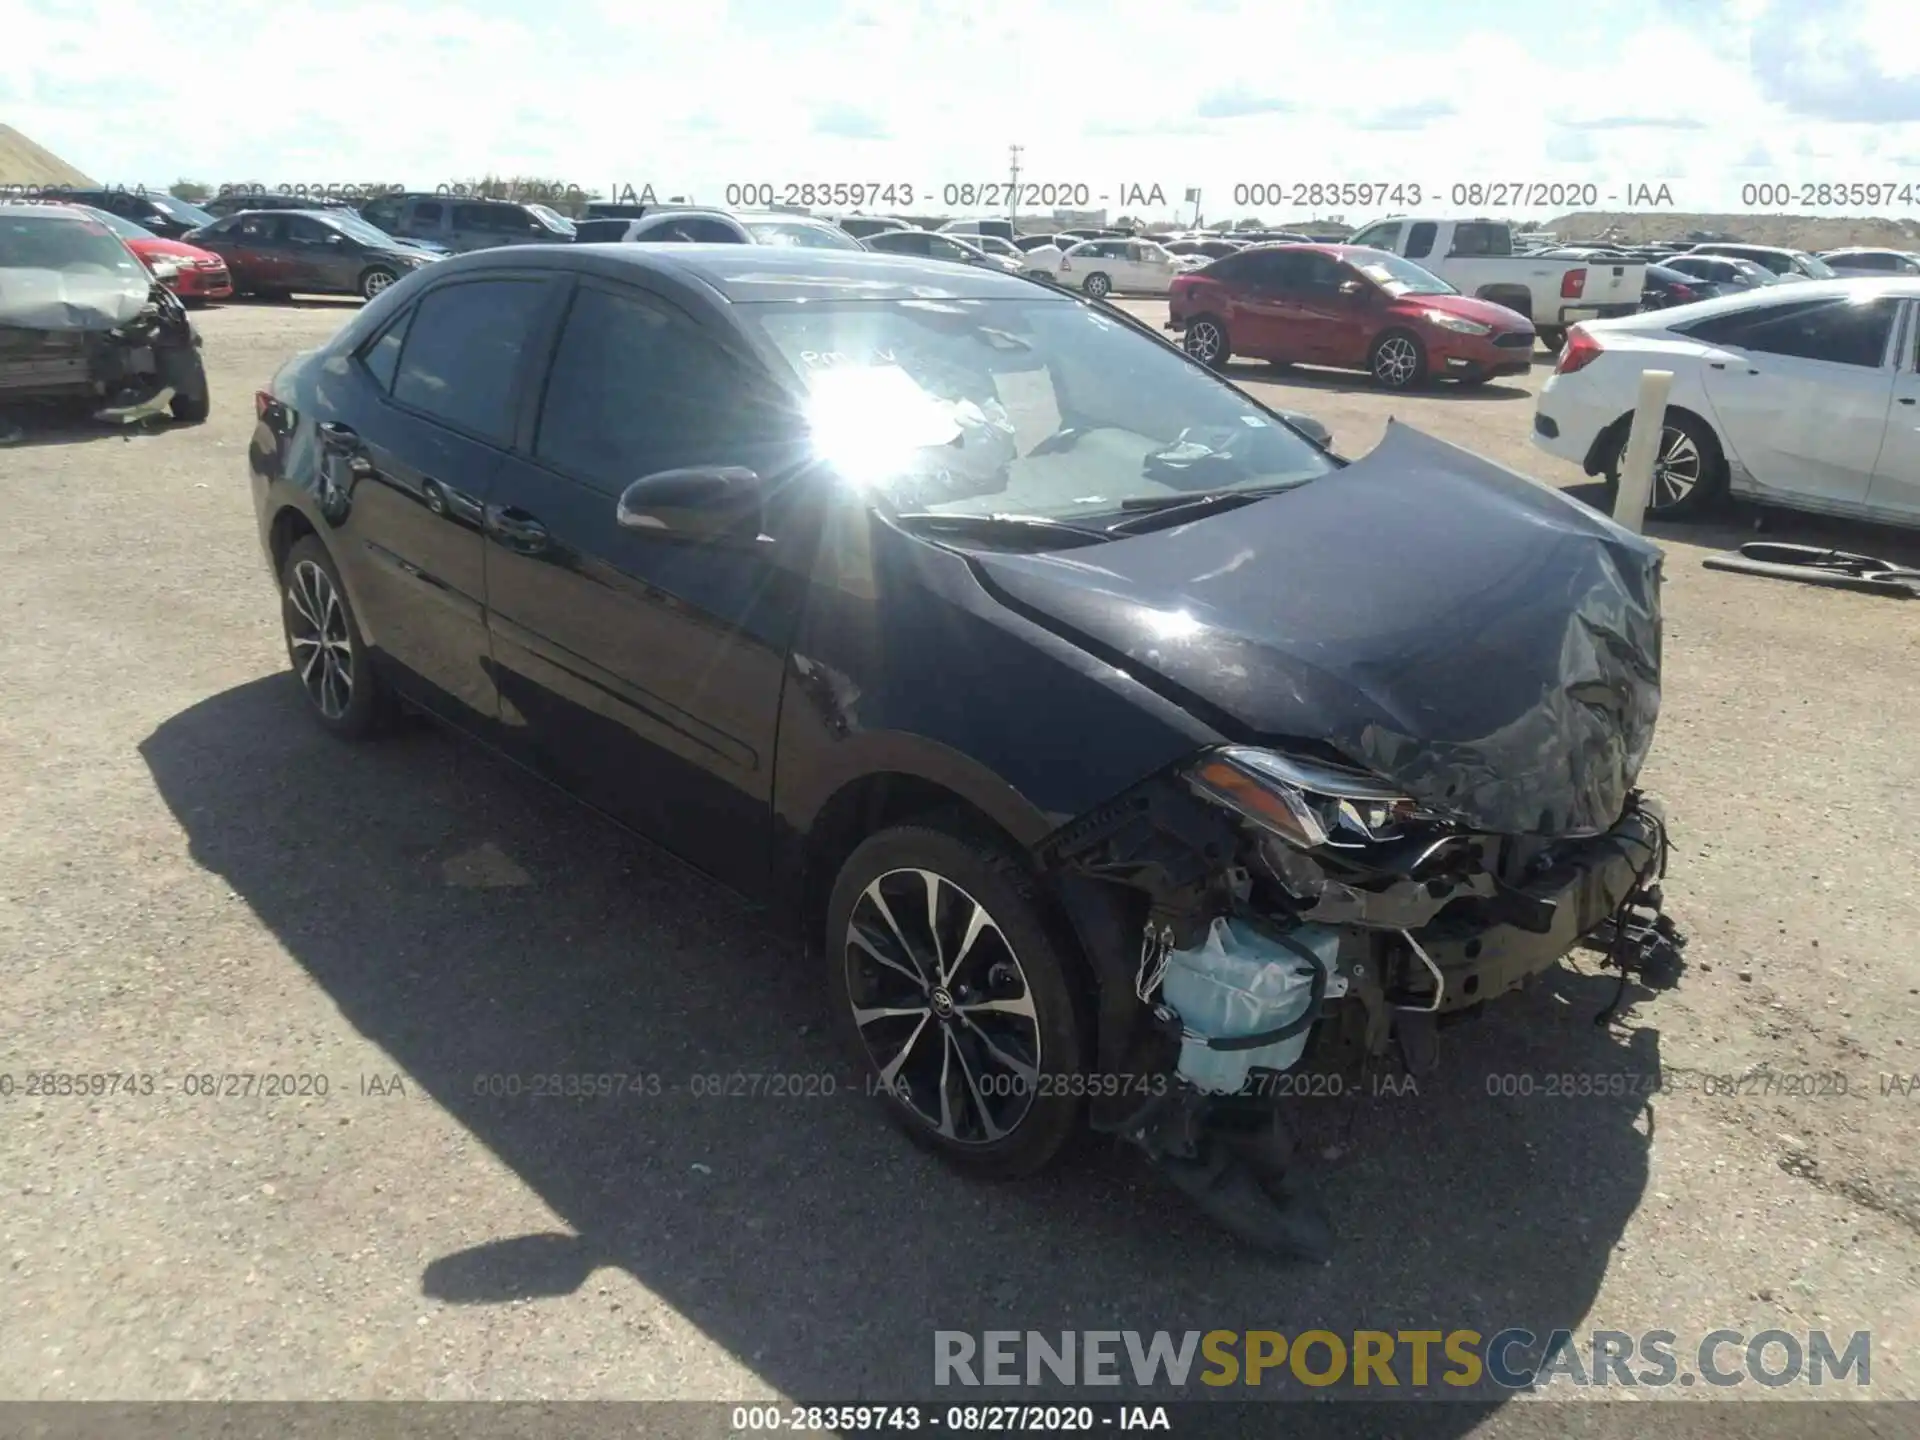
x: 263, y: 401
x: 1684, y: 293
x: 1581, y: 350
x: 1573, y: 284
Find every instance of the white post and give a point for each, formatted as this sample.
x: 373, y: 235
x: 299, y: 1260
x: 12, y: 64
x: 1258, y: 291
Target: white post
x: 1643, y: 445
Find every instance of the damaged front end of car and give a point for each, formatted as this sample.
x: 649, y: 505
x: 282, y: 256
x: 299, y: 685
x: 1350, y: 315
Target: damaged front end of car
x: 1397, y: 828
x: 125, y: 348
x: 1270, y: 898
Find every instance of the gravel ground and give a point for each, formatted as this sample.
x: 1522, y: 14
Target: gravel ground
x: 194, y: 882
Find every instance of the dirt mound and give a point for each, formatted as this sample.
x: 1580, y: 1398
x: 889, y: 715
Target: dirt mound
x: 1797, y: 232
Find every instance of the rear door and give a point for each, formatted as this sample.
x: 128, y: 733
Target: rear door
x: 1802, y: 391
x: 639, y: 669
x: 446, y: 381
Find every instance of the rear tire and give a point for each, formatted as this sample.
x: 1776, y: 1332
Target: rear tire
x: 1689, y: 469
x: 972, y: 1043
x: 329, y: 659
x: 1552, y: 339
x: 1206, y: 340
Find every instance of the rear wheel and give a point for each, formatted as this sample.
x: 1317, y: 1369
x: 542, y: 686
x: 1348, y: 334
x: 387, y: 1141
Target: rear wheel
x: 952, y: 989
x: 1206, y: 341
x: 1551, y: 339
x: 329, y: 658
x: 1689, y: 469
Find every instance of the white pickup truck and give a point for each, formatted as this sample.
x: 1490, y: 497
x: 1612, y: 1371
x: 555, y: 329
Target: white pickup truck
x: 1477, y: 257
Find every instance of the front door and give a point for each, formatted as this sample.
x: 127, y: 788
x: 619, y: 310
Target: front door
x: 1802, y: 392
x: 316, y: 256
x: 1896, y: 477
x: 638, y: 669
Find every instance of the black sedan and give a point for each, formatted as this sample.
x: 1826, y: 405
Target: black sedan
x: 1089, y: 719
x: 315, y: 252
x: 1665, y: 287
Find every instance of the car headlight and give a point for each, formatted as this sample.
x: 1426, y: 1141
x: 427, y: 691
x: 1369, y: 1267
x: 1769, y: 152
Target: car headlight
x: 1459, y: 324
x: 1304, y: 802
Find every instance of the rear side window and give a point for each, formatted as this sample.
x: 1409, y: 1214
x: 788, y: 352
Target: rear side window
x: 1837, y: 331
x: 384, y: 213
x: 1477, y: 237
x: 636, y: 389
x: 462, y: 354
x: 382, y: 357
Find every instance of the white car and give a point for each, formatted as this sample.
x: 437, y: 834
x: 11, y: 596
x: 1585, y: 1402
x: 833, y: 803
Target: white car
x: 1867, y: 260
x: 1102, y: 267
x: 1805, y: 396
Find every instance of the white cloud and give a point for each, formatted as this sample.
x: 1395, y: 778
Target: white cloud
x: 693, y: 96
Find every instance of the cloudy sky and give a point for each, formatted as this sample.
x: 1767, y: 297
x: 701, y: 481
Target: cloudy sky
x: 1704, y: 96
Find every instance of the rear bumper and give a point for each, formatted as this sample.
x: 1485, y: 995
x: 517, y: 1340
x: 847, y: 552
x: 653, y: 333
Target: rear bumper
x: 1567, y: 425
x: 1575, y: 313
x: 1479, y: 962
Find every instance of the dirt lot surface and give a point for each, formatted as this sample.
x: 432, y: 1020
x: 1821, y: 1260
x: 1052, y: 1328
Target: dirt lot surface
x: 194, y: 882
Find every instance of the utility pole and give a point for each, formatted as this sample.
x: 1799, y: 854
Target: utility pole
x: 1013, y: 187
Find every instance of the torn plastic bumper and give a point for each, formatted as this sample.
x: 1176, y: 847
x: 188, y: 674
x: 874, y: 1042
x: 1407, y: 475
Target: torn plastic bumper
x: 1390, y: 915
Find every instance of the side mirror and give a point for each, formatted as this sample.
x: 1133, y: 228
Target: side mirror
x: 702, y: 502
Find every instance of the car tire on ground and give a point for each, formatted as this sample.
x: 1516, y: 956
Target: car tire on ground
x: 1689, y: 469
x: 1398, y: 361
x: 1097, y: 285
x: 1551, y: 339
x: 375, y: 279
x: 1205, y: 340
x: 329, y: 659
x: 954, y: 992
x: 186, y: 371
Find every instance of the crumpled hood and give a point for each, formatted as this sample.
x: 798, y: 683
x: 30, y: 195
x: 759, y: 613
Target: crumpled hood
x: 1488, y: 644
x: 34, y: 299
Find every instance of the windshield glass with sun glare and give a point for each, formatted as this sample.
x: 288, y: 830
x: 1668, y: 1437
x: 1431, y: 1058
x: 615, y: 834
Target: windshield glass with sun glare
x: 1032, y: 407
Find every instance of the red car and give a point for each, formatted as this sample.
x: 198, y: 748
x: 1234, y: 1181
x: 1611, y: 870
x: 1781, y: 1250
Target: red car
x: 202, y: 275
x: 1349, y: 307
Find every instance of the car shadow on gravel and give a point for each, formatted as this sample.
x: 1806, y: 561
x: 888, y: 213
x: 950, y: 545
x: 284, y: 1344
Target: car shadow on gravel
x: 484, y: 932
x: 1343, y: 382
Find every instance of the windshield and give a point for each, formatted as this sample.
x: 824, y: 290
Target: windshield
x: 1400, y: 277
x: 66, y: 242
x: 1815, y: 266
x: 792, y: 232
x: 361, y: 230
x: 178, y: 209
x: 1036, y: 407
x: 124, y: 228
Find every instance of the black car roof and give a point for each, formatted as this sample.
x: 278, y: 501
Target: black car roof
x: 753, y: 273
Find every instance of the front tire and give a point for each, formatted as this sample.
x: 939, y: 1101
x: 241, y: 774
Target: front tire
x: 1398, y: 361
x: 186, y: 370
x: 1689, y: 469
x: 1097, y: 286
x: 953, y: 990
x: 376, y: 279
x: 329, y: 658
x: 1206, y: 340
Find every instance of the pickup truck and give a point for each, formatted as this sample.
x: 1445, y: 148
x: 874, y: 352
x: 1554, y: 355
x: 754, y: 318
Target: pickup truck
x: 1477, y: 257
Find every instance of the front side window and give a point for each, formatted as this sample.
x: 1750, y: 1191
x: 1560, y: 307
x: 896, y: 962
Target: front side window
x: 1420, y: 240
x: 1384, y: 236
x: 382, y: 357
x: 637, y: 389
x: 1037, y: 407
x: 428, y: 212
x: 462, y: 354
